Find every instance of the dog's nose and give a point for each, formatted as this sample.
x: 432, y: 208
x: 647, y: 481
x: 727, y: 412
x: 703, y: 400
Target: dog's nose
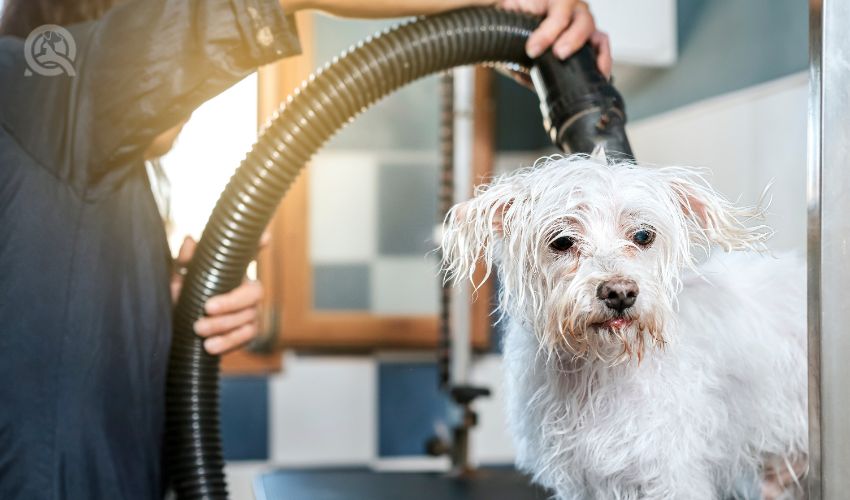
x: 618, y: 294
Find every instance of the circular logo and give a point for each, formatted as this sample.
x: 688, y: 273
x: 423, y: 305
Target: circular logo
x: 50, y: 50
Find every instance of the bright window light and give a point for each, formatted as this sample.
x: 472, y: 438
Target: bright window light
x: 207, y: 153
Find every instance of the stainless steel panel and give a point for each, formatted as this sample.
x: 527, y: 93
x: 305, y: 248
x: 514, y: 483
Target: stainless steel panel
x: 829, y: 251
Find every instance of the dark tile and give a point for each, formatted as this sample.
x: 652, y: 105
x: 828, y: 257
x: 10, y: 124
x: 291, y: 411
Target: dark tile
x: 498, y: 329
x: 407, y: 208
x: 410, y: 405
x: 519, y: 124
x: 341, y: 287
x: 245, y: 418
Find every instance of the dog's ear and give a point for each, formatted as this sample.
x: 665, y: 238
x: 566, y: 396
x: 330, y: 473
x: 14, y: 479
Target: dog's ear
x: 710, y: 218
x: 472, y: 230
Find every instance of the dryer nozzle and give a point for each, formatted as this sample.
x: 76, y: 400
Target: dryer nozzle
x: 582, y: 111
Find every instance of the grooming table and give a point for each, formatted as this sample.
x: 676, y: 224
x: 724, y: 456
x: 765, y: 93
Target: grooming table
x: 365, y: 484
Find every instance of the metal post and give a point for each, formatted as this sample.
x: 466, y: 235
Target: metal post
x: 461, y: 320
x: 829, y: 250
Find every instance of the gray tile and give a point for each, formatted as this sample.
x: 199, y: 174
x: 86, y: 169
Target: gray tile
x: 341, y: 287
x: 342, y: 208
x: 407, y: 209
x: 405, y: 285
x: 406, y: 119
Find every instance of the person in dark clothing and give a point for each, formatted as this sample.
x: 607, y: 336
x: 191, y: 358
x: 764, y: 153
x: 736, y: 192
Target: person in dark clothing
x: 85, y: 308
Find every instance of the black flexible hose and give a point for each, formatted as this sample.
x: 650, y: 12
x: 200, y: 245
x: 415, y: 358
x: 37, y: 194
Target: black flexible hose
x: 326, y: 102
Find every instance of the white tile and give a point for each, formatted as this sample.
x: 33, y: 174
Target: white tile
x: 342, y: 207
x: 405, y: 285
x: 490, y: 441
x: 241, y: 477
x: 323, y: 411
x: 641, y: 32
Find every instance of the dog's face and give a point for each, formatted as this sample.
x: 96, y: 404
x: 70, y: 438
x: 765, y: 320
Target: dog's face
x: 590, y: 254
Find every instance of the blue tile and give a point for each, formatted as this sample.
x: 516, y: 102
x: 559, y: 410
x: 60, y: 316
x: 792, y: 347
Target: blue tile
x: 245, y: 418
x: 345, y: 287
x: 410, y: 405
x: 407, y: 209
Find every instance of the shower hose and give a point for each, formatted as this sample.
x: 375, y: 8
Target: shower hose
x: 581, y: 110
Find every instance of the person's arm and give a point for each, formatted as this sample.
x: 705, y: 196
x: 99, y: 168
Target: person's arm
x: 376, y: 9
x: 568, y: 24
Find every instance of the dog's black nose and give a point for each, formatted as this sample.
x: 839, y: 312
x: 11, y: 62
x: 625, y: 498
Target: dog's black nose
x: 618, y: 294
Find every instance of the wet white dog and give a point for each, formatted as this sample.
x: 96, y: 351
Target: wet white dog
x: 631, y: 370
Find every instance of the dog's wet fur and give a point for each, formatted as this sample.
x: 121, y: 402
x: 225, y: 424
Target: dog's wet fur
x: 677, y: 392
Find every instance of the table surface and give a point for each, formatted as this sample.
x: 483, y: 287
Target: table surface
x: 364, y: 484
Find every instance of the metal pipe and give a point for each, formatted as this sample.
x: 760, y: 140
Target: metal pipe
x: 461, y: 318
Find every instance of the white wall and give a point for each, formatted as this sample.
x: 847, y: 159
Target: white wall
x: 643, y: 32
x: 747, y: 139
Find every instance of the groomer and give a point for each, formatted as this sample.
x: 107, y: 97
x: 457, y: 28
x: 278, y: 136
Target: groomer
x: 85, y: 306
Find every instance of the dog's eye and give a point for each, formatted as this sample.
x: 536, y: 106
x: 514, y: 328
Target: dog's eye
x: 644, y: 237
x: 561, y: 244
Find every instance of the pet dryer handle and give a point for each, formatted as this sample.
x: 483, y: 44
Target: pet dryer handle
x: 582, y: 111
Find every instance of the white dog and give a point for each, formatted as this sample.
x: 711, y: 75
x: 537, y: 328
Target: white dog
x: 631, y: 370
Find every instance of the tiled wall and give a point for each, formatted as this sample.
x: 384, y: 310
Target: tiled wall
x: 372, y: 218
x: 353, y: 410
x: 373, y: 197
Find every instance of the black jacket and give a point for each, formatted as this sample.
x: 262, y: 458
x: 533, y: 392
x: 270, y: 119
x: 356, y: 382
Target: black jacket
x: 85, y: 312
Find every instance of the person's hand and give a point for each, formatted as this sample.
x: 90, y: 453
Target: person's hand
x: 231, y: 319
x: 567, y: 27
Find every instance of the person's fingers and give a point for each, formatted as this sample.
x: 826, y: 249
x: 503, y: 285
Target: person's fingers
x: 184, y: 256
x: 557, y: 19
x: 535, y: 7
x: 217, y: 325
x: 601, y: 43
x: 523, y: 79
x: 507, y: 4
x: 249, y: 294
x: 223, y: 343
x: 175, y: 286
x: 579, y: 31
x: 187, y: 250
x: 265, y: 239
